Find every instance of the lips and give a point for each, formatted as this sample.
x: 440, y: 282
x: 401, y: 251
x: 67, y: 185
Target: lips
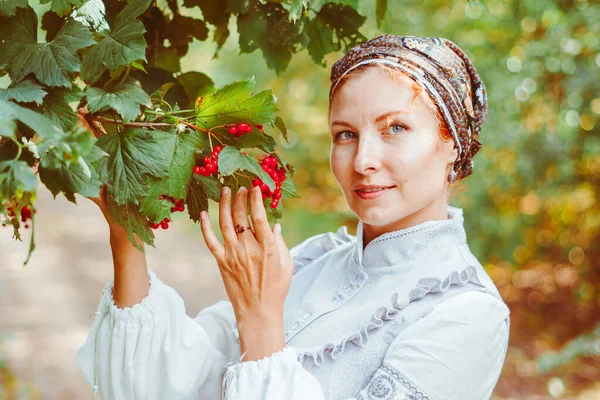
x: 367, y: 192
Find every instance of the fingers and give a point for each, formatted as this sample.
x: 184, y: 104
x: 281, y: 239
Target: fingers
x: 262, y: 230
x: 240, y: 212
x: 213, y: 244
x: 225, y: 220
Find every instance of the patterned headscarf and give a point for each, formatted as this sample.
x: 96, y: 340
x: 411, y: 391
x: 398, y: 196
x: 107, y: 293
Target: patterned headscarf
x: 444, y: 71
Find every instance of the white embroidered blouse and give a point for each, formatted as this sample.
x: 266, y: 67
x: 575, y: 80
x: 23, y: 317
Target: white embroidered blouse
x: 412, y: 316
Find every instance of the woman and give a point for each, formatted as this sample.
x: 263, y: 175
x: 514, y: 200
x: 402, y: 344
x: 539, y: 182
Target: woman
x: 401, y: 311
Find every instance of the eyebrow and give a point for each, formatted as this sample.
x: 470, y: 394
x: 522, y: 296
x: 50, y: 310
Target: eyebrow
x: 377, y: 120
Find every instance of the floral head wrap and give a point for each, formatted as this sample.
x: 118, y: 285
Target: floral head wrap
x: 444, y: 71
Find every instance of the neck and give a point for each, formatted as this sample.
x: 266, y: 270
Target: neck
x: 434, y: 211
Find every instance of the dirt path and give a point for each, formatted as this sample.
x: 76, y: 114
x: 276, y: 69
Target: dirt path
x: 44, y: 307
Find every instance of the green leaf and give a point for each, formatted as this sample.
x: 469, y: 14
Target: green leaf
x: 232, y: 160
x: 92, y: 15
x: 267, y: 27
x: 196, y: 200
x: 125, y: 99
x: 195, y: 85
x: 296, y: 9
x: 321, y: 39
x: 52, y: 63
x: 125, y: 43
x: 129, y: 217
x: 155, y: 205
x: 63, y: 7
x: 133, y: 156
x: 65, y: 148
x: 7, y: 126
x: 15, y: 176
x: 237, y: 6
x: 380, y: 11
x: 210, y: 186
x: 56, y: 106
x: 26, y: 91
x: 8, y: 8
x: 40, y: 124
x: 280, y: 124
x: 235, y: 103
x: 78, y: 178
x: 345, y: 22
x: 186, y: 145
x: 288, y: 189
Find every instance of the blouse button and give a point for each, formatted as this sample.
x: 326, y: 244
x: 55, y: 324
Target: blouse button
x: 306, y: 316
x: 295, y: 326
x: 356, y: 278
x: 347, y: 289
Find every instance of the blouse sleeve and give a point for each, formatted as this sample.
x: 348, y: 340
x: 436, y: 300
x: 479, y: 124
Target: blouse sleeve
x: 455, y: 352
x: 153, y: 350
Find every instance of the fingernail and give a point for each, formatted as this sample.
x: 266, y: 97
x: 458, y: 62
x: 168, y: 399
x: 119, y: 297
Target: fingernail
x: 242, y: 188
x: 203, y: 215
x: 224, y: 190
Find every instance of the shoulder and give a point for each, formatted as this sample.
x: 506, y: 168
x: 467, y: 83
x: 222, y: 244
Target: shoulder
x: 317, y: 246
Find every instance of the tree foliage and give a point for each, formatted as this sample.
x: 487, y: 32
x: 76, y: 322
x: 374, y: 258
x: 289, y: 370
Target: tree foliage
x: 102, y: 101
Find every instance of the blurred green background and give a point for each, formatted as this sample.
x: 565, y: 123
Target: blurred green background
x: 531, y: 206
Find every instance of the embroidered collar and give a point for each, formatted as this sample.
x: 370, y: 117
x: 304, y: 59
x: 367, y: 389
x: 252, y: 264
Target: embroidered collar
x: 411, y: 243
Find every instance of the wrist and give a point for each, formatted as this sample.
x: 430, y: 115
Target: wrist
x: 260, y: 336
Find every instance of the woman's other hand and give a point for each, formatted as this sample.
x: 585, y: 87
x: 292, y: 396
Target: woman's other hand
x: 256, y: 267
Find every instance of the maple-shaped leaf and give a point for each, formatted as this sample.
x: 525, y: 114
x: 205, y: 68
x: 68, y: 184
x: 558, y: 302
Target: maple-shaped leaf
x: 232, y: 160
x: 267, y: 27
x: 129, y: 217
x: 26, y: 91
x: 52, y: 63
x: 92, y: 14
x: 63, y: 7
x: 16, y: 176
x: 8, y: 8
x: 196, y: 200
x: 322, y: 39
x: 210, y: 185
x: 79, y: 177
x: 122, y: 45
x: 133, y: 156
x: 125, y: 99
x: 235, y: 103
x: 296, y: 9
x: 56, y: 106
x: 345, y: 22
x: 177, y: 180
x: 40, y: 124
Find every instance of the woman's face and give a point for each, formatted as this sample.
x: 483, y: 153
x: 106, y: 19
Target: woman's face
x: 387, y: 156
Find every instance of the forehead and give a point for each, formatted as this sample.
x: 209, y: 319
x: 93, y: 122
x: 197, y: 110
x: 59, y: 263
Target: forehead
x: 371, y: 93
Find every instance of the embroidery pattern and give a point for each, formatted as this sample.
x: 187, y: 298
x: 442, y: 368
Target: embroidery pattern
x: 416, y: 393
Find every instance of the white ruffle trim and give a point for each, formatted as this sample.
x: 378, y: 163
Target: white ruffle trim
x: 384, y: 314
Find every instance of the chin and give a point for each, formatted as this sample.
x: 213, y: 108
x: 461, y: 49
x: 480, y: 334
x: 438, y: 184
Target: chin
x: 378, y: 216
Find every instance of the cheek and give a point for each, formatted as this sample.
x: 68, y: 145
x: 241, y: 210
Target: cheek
x: 340, y: 162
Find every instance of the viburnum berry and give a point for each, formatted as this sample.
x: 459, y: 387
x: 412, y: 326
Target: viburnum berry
x: 211, y: 163
x: 178, y: 206
x: 240, y: 129
x: 269, y: 165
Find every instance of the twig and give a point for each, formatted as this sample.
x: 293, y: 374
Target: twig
x: 138, y: 124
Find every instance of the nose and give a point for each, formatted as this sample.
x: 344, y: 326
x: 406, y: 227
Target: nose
x: 368, y: 154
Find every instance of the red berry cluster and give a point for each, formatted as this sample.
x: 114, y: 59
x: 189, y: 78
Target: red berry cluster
x: 211, y: 164
x: 240, y: 129
x: 178, y: 206
x: 269, y: 165
x: 25, y: 214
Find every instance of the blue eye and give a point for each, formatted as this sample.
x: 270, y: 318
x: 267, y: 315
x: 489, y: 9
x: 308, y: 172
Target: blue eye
x: 395, y: 129
x: 343, y: 135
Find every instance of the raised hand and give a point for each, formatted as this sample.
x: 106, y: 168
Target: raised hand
x: 256, y: 267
